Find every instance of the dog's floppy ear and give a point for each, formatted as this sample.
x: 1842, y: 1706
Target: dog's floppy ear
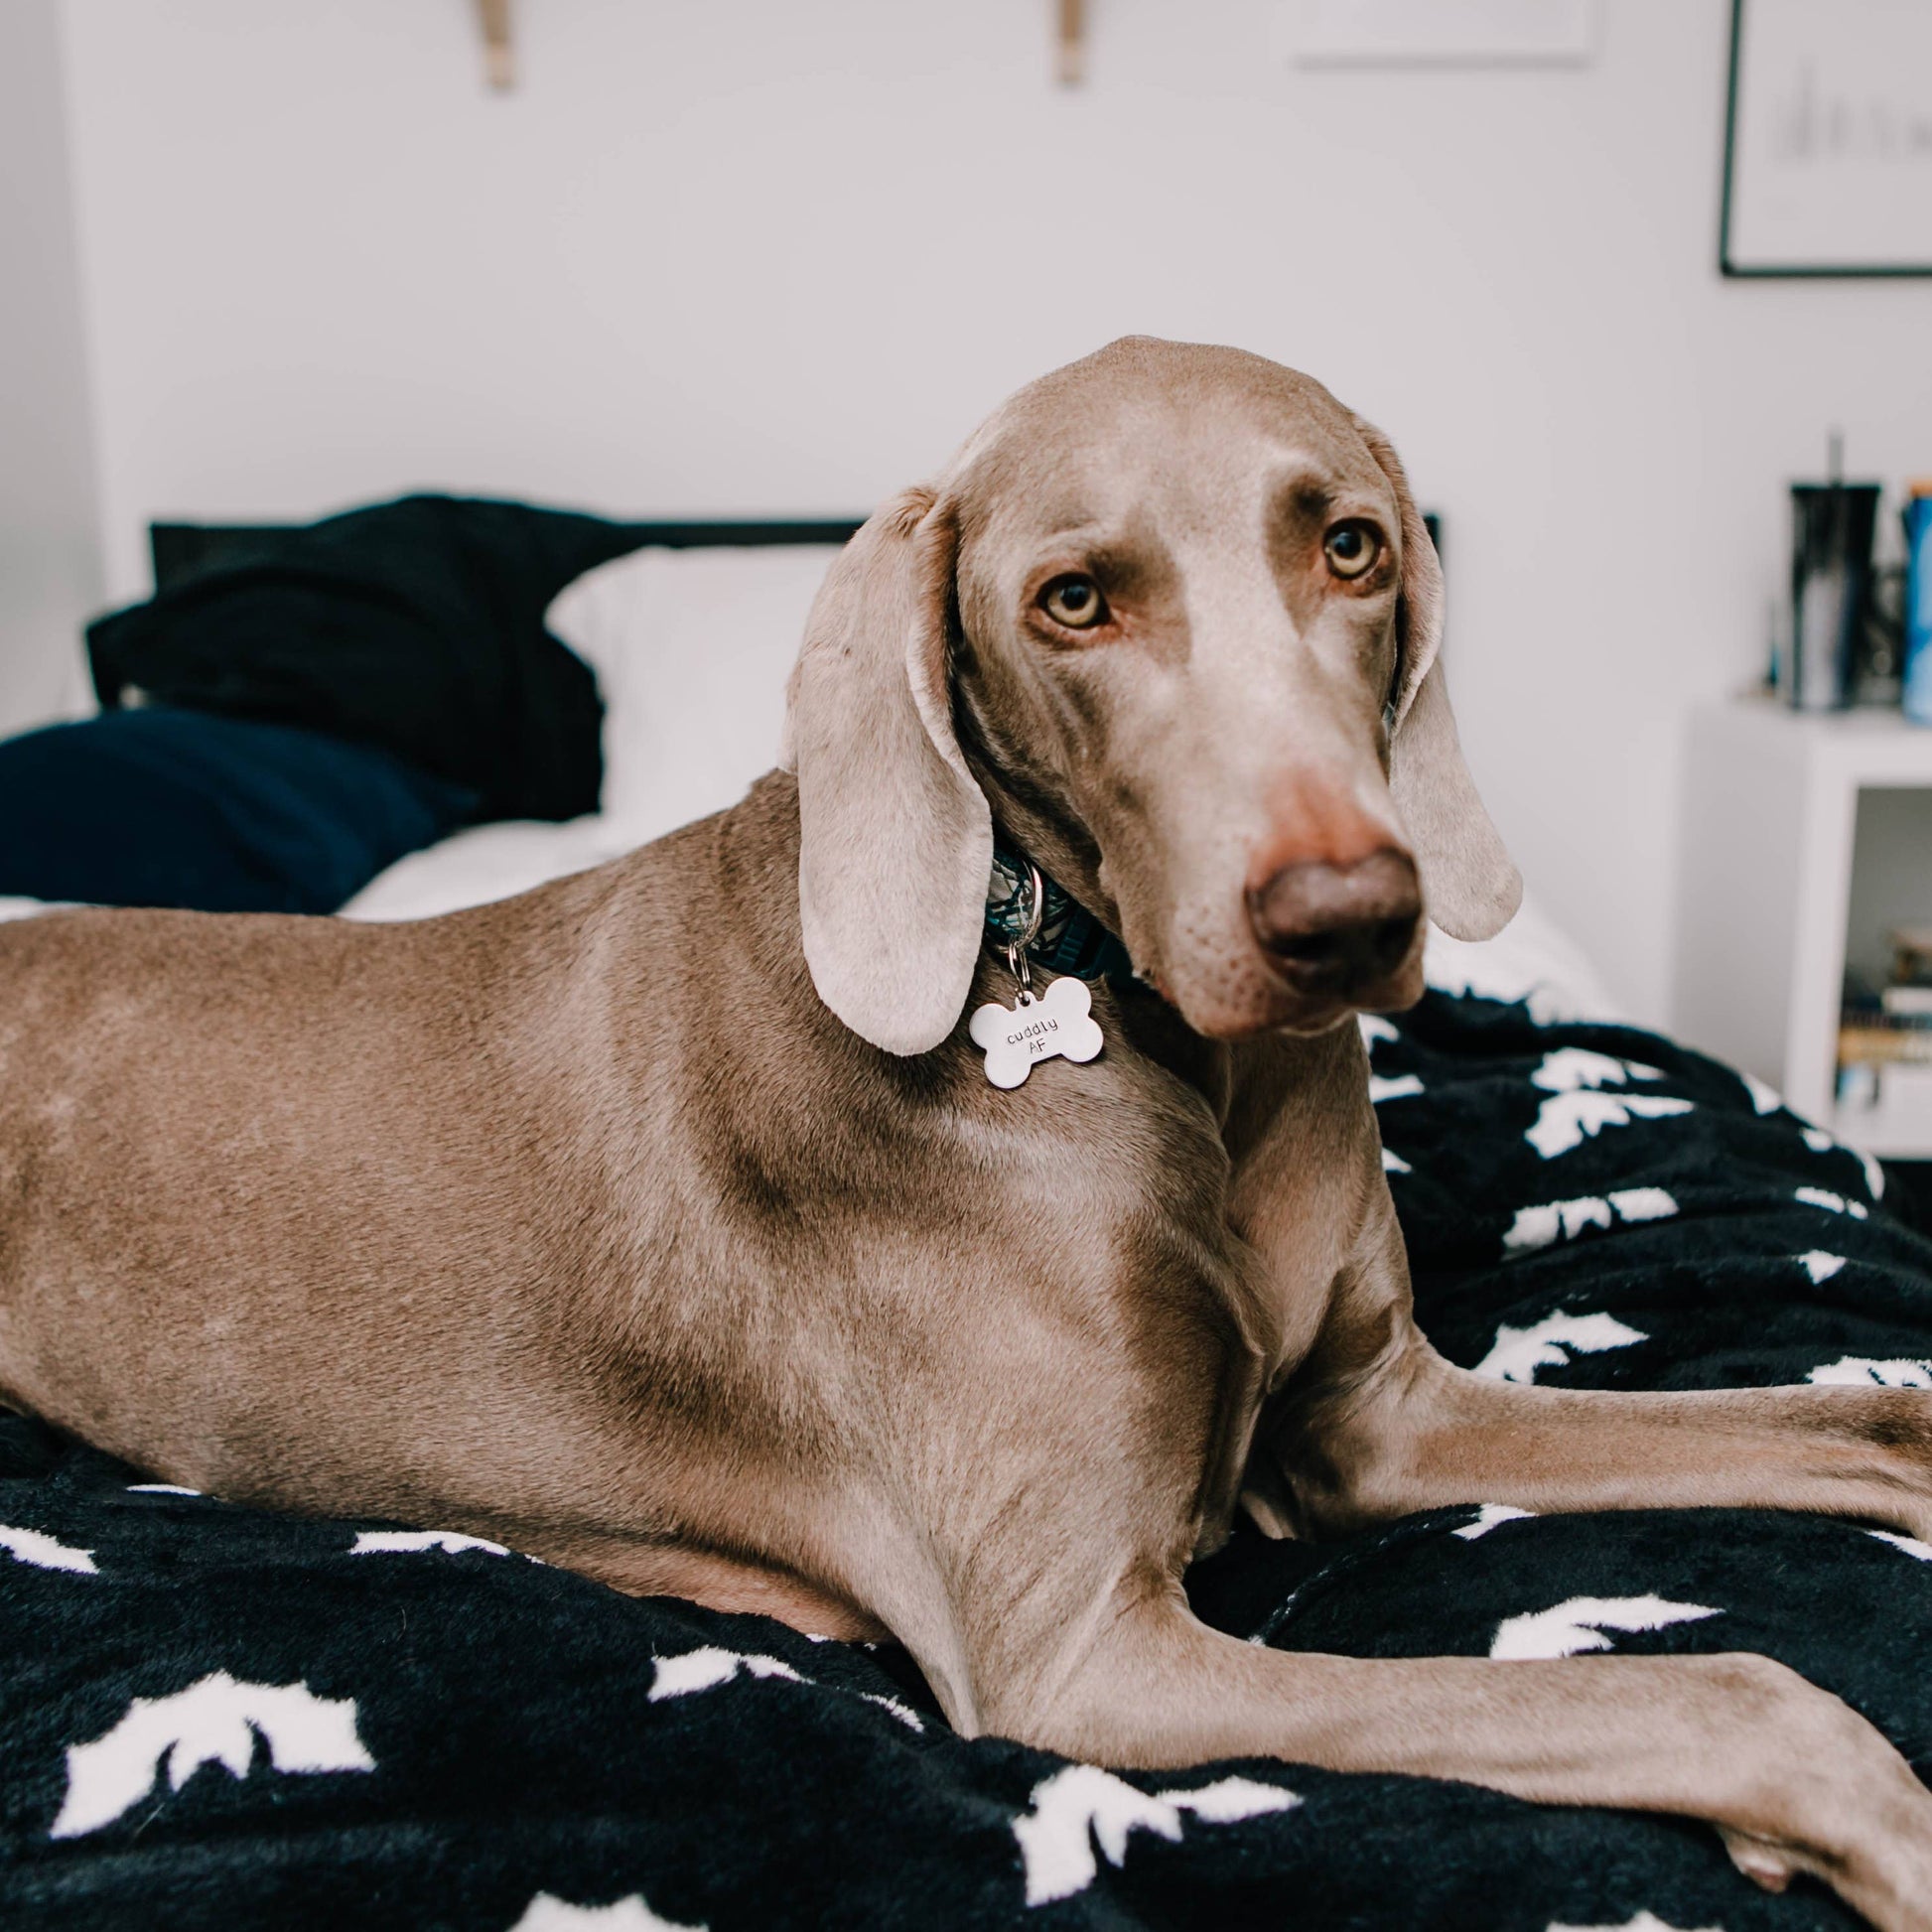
x: 1470, y: 886
x: 896, y: 839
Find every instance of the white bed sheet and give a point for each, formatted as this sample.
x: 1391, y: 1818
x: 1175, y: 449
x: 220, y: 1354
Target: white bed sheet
x: 485, y: 863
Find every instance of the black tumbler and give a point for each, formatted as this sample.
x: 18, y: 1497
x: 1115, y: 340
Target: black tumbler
x: 1832, y: 525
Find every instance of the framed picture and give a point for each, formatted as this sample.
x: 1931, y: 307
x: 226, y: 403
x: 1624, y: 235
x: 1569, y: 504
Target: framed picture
x: 1437, y: 33
x: 1828, y: 139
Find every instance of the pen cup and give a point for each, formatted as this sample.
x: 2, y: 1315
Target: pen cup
x: 1832, y: 526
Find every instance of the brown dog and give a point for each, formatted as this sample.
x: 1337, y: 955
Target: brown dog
x: 664, y: 1222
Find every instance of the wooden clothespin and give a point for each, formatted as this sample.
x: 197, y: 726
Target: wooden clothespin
x: 499, y: 57
x: 1073, y: 42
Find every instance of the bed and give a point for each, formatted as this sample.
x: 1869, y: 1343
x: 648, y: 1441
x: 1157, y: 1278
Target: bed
x: 221, y: 1716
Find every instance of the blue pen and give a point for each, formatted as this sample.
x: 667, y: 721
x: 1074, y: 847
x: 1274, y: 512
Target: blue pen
x: 1919, y: 604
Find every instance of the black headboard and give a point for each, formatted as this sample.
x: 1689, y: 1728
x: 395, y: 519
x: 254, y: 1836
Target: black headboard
x: 183, y: 550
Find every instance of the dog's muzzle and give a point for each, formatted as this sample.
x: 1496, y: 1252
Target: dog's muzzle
x: 1331, y: 930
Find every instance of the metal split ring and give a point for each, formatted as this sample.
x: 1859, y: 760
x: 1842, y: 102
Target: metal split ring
x: 1015, y: 949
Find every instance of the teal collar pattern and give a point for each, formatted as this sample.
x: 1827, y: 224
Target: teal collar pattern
x: 1069, y: 940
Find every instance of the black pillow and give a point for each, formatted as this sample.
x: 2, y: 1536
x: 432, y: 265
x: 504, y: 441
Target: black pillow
x: 167, y: 807
x: 415, y: 626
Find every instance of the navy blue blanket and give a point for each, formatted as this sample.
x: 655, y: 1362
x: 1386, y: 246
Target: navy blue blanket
x: 216, y: 1717
x: 170, y: 807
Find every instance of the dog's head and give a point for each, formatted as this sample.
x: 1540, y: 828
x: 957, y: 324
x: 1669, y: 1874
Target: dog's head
x: 1173, y: 611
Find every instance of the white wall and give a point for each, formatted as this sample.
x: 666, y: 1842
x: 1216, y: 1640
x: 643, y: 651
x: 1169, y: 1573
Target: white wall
x: 50, y: 572
x: 778, y: 256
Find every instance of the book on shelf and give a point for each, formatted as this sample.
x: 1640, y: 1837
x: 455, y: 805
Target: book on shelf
x: 1911, y: 955
x: 1879, y: 1040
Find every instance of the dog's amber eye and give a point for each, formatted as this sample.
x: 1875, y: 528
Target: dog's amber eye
x: 1074, y: 601
x: 1351, y: 549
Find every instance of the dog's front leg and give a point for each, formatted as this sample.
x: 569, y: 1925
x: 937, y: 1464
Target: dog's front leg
x: 1793, y: 1779
x: 1376, y: 1425
x: 1365, y: 1422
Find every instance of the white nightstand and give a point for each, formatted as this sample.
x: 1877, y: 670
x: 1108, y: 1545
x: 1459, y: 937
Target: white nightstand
x: 1806, y: 838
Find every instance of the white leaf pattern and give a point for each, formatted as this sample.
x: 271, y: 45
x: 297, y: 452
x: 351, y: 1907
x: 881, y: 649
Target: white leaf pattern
x: 1539, y: 1226
x: 371, y: 1542
x: 705, y: 1669
x: 1830, y: 1203
x: 1642, y: 1922
x: 1578, y: 1623
x: 1865, y: 1371
x: 45, y: 1552
x: 1519, y: 1352
x: 213, y: 1722
x: 1569, y: 1069
x: 548, y: 1913
x: 909, y: 1718
x: 1909, y: 1544
x: 1566, y: 1120
x: 1397, y: 1086
x: 1491, y: 1516
x: 1082, y: 1806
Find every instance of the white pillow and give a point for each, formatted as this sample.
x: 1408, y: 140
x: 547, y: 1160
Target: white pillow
x: 1532, y: 958
x: 479, y: 864
x: 691, y: 649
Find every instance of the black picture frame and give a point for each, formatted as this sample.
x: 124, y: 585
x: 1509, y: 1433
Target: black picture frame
x: 1729, y: 264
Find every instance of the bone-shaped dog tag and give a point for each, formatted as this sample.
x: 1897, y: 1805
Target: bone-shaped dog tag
x: 1059, y: 1025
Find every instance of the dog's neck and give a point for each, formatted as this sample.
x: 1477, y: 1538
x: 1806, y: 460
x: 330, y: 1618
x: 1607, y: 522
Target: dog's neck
x: 1033, y: 815
x: 1066, y: 937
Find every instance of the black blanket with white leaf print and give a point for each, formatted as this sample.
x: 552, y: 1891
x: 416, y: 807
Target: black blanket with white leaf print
x: 217, y: 1717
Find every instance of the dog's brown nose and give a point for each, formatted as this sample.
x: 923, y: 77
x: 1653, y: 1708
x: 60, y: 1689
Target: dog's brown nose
x: 1333, y: 928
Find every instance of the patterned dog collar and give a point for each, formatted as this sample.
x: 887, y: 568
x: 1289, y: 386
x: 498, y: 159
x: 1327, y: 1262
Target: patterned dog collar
x: 1069, y: 940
